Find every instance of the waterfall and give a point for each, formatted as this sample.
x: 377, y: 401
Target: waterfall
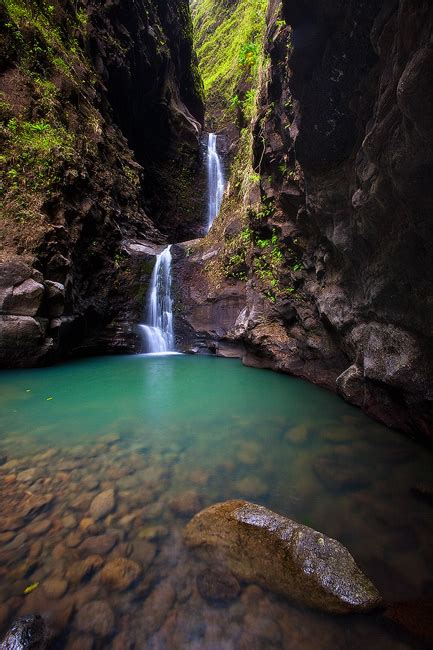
x: 157, y: 332
x: 215, y: 179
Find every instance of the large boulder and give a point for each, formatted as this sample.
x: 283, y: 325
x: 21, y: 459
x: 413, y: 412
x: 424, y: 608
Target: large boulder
x: 25, y: 299
x: 283, y: 556
x: 12, y: 272
x: 22, y: 340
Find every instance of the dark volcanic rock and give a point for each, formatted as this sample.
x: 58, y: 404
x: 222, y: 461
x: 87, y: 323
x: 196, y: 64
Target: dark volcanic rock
x: 27, y: 633
x: 279, y: 554
x: 205, y: 315
x: 347, y: 164
x: 70, y: 283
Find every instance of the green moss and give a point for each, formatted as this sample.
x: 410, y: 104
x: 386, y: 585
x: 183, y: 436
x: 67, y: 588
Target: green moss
x: 229, y: 44
x: 39, y: 41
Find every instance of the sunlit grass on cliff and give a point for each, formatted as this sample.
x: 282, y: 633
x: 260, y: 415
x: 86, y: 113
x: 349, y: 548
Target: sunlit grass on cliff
x: 229, y: 43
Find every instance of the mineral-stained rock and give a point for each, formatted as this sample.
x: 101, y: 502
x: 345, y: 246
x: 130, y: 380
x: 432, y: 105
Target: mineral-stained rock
x: 217, y: 585
x: 102, y: 504
x: 27, y: 633
x: 120, y: 573
x: 288, y: 558
x: 95, y: 617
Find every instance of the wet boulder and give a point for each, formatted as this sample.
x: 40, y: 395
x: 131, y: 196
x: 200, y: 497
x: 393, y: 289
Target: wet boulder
x: 27, y: 633
x: 258, y: 545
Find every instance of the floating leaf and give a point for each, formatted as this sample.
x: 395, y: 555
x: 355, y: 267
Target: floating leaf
x: 32, y: 587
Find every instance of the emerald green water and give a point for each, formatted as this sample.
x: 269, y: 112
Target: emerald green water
x: 201, y: 430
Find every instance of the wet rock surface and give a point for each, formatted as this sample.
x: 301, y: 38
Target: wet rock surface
x: 342, y: 144
x: 348, y: 114
x: 295, y: 561
x: 27, y: 633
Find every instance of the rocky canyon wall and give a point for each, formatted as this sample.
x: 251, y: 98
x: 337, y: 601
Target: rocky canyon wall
x: 100, y: 117
x: 335, y: 258
x: 344, y: 143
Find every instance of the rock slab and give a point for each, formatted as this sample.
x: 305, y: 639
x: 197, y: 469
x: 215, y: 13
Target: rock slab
x: 260, y: 546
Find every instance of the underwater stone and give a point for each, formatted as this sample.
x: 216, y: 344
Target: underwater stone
x: 102, y: 504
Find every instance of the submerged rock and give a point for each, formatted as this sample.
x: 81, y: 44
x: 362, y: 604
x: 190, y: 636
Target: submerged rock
x: 156, y: 607
x: 79, y: 571
x: 55, y: 588
x: 120, y: 573
x: 96, y: 618
x: 27, y: 633
x: 98, y: 544
x: 186, y: 504
x: 288, y: 558
x: 102, y: 504
x: 217, y: 585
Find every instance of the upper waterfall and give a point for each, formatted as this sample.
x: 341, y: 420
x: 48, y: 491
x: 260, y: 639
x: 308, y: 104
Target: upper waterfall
x: 158, y: 335
x: 215, y: 179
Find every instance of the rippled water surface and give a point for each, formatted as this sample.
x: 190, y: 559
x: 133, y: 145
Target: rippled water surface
x: 171, y: 435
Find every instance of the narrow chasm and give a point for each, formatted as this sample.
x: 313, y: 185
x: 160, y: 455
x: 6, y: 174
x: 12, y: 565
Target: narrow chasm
x: 194, y: 194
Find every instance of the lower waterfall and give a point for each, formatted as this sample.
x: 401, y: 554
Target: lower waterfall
x: 157, y: 331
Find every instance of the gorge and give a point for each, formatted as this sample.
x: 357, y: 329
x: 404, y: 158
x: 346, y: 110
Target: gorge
x: 194, y: 195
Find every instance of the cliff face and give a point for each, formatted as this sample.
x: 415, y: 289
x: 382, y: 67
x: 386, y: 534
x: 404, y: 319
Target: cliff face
x: 345, y: 150
x: 330, y: 257
x: 100, y: 110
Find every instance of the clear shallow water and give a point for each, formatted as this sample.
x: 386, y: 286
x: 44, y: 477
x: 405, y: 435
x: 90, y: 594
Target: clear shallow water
x: 170, y: 435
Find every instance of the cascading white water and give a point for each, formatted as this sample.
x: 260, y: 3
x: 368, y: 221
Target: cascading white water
x: 215, y: 179
x: 157, y: 332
